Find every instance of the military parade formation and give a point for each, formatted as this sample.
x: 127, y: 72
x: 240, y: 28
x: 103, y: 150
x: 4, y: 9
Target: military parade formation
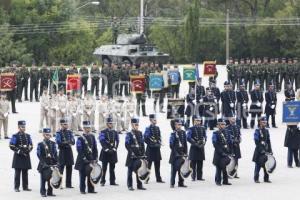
x: 70, y: 118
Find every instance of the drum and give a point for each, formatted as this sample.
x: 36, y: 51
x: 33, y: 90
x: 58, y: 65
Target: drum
x: 232, y: 167
x: 270, y: 164
x: 186, y: 169
x: 56, y: 178
x: 95, y: 173
x: 143, y: 172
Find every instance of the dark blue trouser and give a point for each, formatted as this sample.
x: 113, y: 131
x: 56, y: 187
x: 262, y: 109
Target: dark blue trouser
x: 129, y: 178
x: 197, y: 166
x: 173, y: 175
x: 83, y: 177
x: 43, y: 187
x: 112, y: 177
x: 256, y: 172
x: 218, y: 176
x: 68, y: 174
x: 293, y: 153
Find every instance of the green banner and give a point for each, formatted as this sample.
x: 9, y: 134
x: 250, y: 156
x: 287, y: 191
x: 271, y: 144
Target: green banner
x: 189, y: 74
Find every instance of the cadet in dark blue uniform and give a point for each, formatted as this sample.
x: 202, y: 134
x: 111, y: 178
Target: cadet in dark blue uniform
x: 200, y: 93
x: 190, y: 107
x: 292, y: 142
x: 228, y: 102
x: 178, y: 145
x: 256, y: 105
x: 86, y: 146
x: 65, y: 139
x: 153, y: 140
x: 242, y: 106
x: 234, y: 132
x: 222, y: 149
x: 134, y: 144
x: 262, y: 147
x: 216, y: 92
x: 109, y: 140
x: 289, y: 92
x: 21, y: 144
x: 47, y: 154
x: 196, y: 135
x: 271, y: 101
x: 210, y: 109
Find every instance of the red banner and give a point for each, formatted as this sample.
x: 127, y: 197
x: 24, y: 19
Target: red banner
x: 73, y: 82
x: 210, y: 68
x: 7, y: 81
x: 137, y: 84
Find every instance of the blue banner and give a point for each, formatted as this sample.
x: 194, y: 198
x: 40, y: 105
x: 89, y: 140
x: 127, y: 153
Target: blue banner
x: 291, y: 112
x: 156, y: 82
x: 174, y: 75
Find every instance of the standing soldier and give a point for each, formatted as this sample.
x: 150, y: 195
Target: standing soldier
x: 256, y: 104
x: 25, y: 76
x: 178, y: 146
x: 116, y: 77
x: 128, y: 111
x: 200, y: 93
x: 190, y: 108
x: 254, y: 74
x: 290, y: 72
x: 53, y: 87
x: 47, y: 154
x: 216, y: 92
x: 292, y: 142
x: 124, y: 79
x: 289, y: 92
x: 4, y: 112
x: 104, y: 77
x: 84, y: 77
x: 53, y: 109
x: 262, y: 147
x: 196, y: 135
x: 261, y: 72
x: 95, y: 76
x: 109, y: 140
x: 21, y: 144
x: 62, y: 103
x: 34, y: 82
x: 296, y: 72
x: 242, y: 106
x: 19, y: 83
x: 86, y: 146
x: 233, y: 131
x: 65, y: 140
x: 248, y: 73
x: 73, y: 69
x: 283, y: 70
x: 73, y: 113
x: 103, y: 112
x: 271, y: 101
x: 177, y: 86
x: 222, y: 151
x: 134, y: 143
x: 228, y: 102
x: 45, y: 76
x: 152, y: 137
x: 277, y: 75
x: 89, y: 108
x: 45, y: 109
x: 62, y: 77
x: 210, y: 112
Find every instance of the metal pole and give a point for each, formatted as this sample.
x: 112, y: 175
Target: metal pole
x: 227, y: 37
x: 142, y: 17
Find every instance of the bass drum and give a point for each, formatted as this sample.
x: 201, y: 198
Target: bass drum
x: 143, y: 172
x: 56, y: 178
x: 270, y: 164
x: 232, y: 167
x: 186, y: 169
x: 96, y: 173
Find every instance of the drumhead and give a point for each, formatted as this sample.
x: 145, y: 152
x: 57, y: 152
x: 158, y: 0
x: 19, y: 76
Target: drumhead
x: 270, y: 164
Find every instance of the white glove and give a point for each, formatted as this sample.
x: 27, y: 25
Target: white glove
x: 114, y: 149
x: 74, y: 114
x: 56, y: 108
x: 18, y: 152
x: 5, y: 114
x: 231, y: 105
x: 46, y: 108
x: 298, y: 126
x: 63, y: 110
x: 201, y: 100
x: 244, y: 105
x: 211, y: 108
x: 89, y: 112
x: 106, y: 150
x: 258, y: 104
x: 273, y: 106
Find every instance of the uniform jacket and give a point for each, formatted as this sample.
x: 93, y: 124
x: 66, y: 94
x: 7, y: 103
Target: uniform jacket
x: 134, y: 143
x: 178, y: 145
x: 196, y: 136
x: 47, y: 154
x: 152, y: 138
x: 65, y: 140
x: 109, y: 140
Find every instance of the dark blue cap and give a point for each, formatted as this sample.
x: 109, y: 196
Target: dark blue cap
x: 271, y: 83
x: 152, y: 116
x: 178, y: 121
x: 21, y: 123
x: 263, y: 119
x: 47, y: 130
x: 208, y: 89
x: 226, y: 83
x: 86, y: 124
x: 221, y: 121
x: 109, y: 120
x: 135, y: 120
x: 63, y: 121
x: 197, y: 117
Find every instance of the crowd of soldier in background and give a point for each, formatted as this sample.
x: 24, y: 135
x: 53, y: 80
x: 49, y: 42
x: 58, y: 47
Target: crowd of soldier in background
x: 265, y: 70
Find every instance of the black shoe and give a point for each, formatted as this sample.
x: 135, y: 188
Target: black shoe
x: 6, y: 137
x: 20, y: 101
x: 69, y: 187
x: 114, y: 184
x: 147, y: 181
x: 102, y: 184
x: 160, y: 181
x: 30, y: 100
x: 83, y: 192
x: 43, y: 195
x: 267, y: 181
x: 182, y: 185
x: 15, y: 112
x: 227, y: 183
x: 193, y: 179
x: 17, y: 190
x: 93, y: 192
x: 130, y: 189
x: 218, y: 184
x: 51, y: 195
x: 144, y: 115
x: 27, y: 189
x: 162, y: 111
x: 201, y: 179
x: 256, y: 181
x: 141, y: 188
x: 290, y: 166
x: 274, y: 126
x: 172, y: 186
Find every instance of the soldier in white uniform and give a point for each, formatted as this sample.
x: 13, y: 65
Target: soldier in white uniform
x: 103, y: 112
x: 79, y: 110
x: 62, y: 106
x: 73, y: 114
x: 129, y: 110
x: 118, y: 114
x: 53, y: 113
x: 89, y: 108
x: 45, y: 113
x: 4, y: 111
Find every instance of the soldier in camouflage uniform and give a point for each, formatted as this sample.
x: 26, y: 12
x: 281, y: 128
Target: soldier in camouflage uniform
x: 95, y: 76
x: 248, y: 72
x: 62, y: 77
x: 282, y: 72
x: 296, y: 72
x: 53, y: 88
x: 24, y: 84
x: 45, y: 76
x: 290, y: 72
x: 114, y: 80
x: 261, y: 72
x: 104, y: 77
x: 19, y: 83
x: 73, y: 69
x: 34, y: 82
x: 84, y: 77
x: 125, y: 79
x: 254, y: 73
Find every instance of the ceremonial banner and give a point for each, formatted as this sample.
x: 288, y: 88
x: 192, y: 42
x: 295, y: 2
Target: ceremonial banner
x: 73, y: 82
x: 189, y: 74
x: 156, y: 81
x: 7, y: 81
x: 174, y: 76
x: 175, y: 108
x: 137, y: 83
x: 291, y: 112
x: 210, y: 68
